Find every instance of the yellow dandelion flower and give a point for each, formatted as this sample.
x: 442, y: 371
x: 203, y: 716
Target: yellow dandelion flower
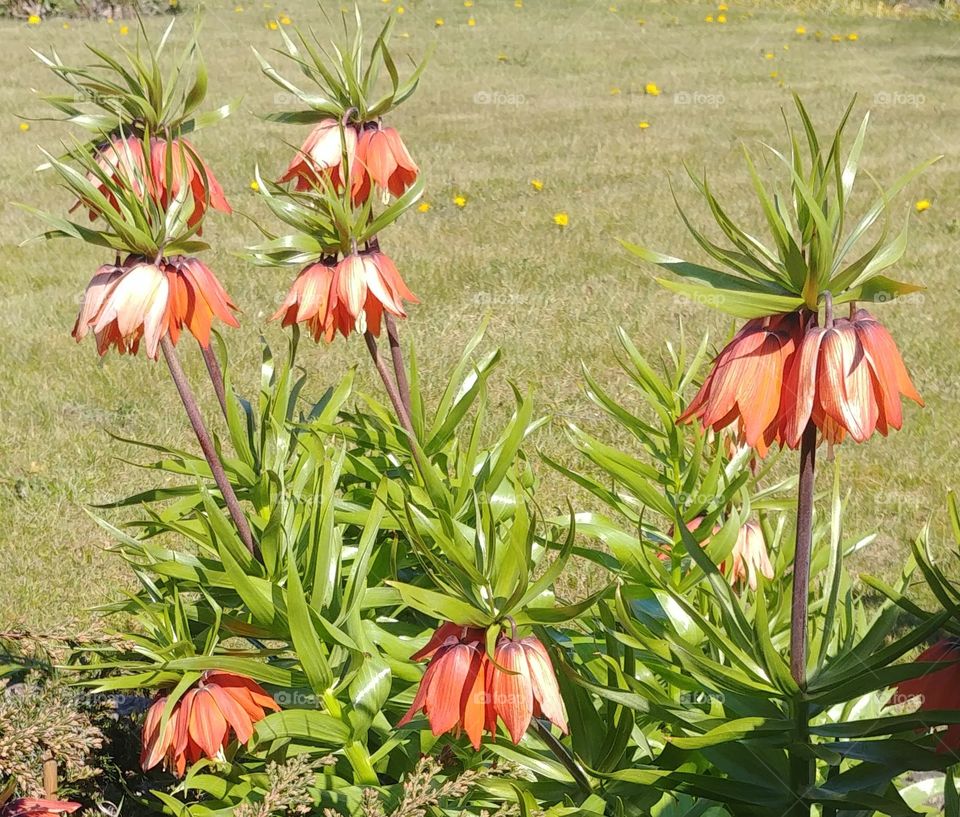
x: 774, y: 74
x: 613, y: 9
x: 472, y: 22
x: 438, y: 22
x: 641, y: 21
x: 518, y: 4
x: 708, y: 18
x: 852, y: 36
x: 124, y: 31
x: 285, y: 20
x: 644, y: 125
x: 923, y: 204
x: 468, y: 4
x: 835, y: 38
x: 238, y: 9
x: 400, y: 9
x: 536, y: 184
x: 66, y: 25
x: 723, y: 7
x: 721, y: 18
x: 652, y: 89
x: 799, y: 31
x: 33, y: 20
x: 502, y: 58
x: 768, y: 55
x: 460, y: 200
x: 561, y: 219
x: 272, y: 25
x: 614, y: 91
x: 24, y: 126
x: 424, y: 207
x: 254, y: 186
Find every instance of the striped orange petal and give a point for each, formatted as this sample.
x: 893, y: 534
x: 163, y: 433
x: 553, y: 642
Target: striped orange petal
x: 512, y: 690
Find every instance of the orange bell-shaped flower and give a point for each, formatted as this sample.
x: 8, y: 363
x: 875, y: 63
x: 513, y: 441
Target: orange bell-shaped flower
x: 222, y: 705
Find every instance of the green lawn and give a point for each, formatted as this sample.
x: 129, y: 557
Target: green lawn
x: 552, y: 91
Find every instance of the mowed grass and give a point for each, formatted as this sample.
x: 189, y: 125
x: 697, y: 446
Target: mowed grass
x: 552, y: 91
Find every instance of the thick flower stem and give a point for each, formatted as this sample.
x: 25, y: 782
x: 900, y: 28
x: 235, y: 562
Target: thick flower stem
x: 560, y: 753
x: 392, y: 391
x: 216, y: 376
x: 801, y: 563
x: 400, y: 370
x: 802, y: 769
x: 206, y: 445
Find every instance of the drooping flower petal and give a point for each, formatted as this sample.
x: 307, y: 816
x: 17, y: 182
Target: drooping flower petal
x: 38, y: 807
x: 938, y: 690
x: 513, y: 689
x: 202, y: 722
x: 142, y: 300
x: 546, y: 691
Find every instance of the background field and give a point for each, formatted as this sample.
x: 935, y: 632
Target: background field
x: 552, y: 91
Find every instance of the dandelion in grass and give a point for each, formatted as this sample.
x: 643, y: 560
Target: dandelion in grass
x: 561, y: 219
x: 800, y: 31
x: 652, y: 89
x: 922, y: 205
x: 643, y: 125
x: 34, y: 20
x: 853, y: 36
x: 536, y: 184
x: 24, y: 127
x: 460, y: 201
x: 424, y: 207
x: 708, y: 18
x: 472, y: 22
x: 438, y: 23
x: 721, y: 18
